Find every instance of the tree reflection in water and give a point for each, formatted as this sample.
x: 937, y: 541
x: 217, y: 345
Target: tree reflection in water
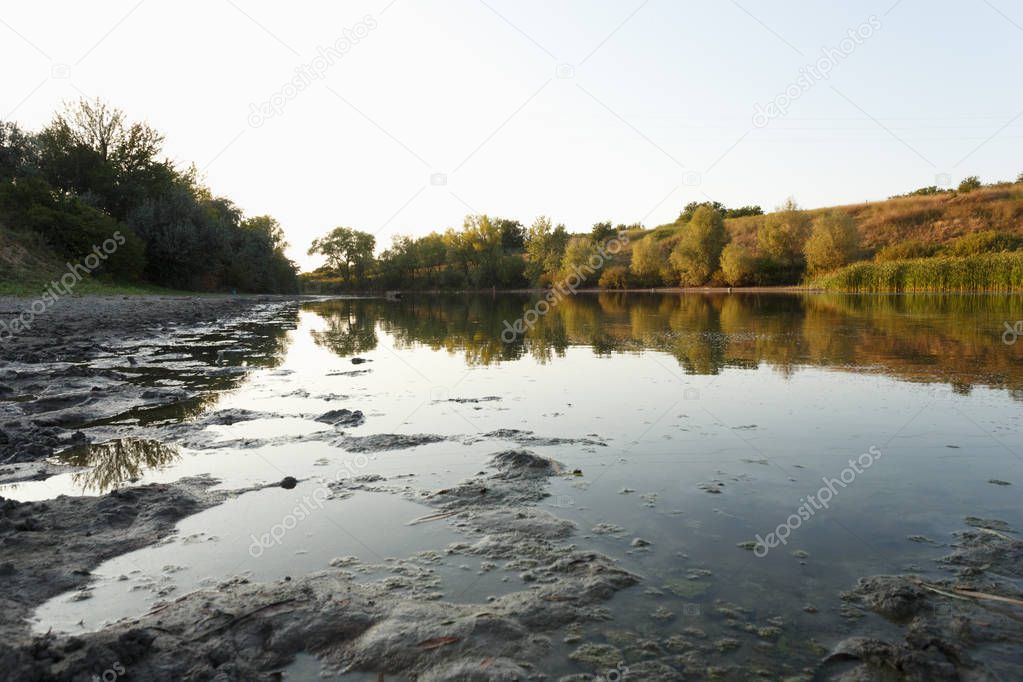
x: 116, y: 462
x: 952, y: 339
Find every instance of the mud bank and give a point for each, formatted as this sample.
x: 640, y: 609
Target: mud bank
x: 47, y: 548
x: 967, y: 627
x: 394, y: 625
x: 91, y: 359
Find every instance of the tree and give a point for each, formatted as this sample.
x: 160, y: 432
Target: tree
x: 782, y: 235
x: 834, y: 242
x: 614, y: 277
x: 347, y: 251
x: 738, y: 265
x: 697, y: 255
x: 545, y: 248
x: 969, y: 184
x: 577, y: 258
x: 601, y: 232
x: 649, y: 260
x: 743, y: 211
x: 690, y: 209
x: 513, y: 234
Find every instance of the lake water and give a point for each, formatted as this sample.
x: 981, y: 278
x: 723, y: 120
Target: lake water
x: 707, y: 421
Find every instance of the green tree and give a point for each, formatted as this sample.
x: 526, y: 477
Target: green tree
x: 649, y: 261
x: 698, y: 254
x: 601, y: 232
x: 833, y: 242
x: 545, y: 248
x: 738, y: 265
x: 348, y: 251
x: 969, y: 184
x: 690, y: 209
x: 782, y: 234
x: 577, y: 259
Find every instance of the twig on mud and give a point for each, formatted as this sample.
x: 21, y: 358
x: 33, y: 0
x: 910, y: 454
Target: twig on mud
x: 238, y: 619
x: 432, y: 517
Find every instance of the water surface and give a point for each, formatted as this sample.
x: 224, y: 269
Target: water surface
x: 709, y: 420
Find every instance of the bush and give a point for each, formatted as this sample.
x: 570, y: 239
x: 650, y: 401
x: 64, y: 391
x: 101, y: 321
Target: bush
x: 912, y: 248
x: 969, y: 184
x: 782, y: 235
x: 833, y: 242
x: 698, y: 253
x: 614, y: 277
x: 988, y: 241
x: 738, y: 266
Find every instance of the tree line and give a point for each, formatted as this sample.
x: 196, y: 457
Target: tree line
x: 92, y: 172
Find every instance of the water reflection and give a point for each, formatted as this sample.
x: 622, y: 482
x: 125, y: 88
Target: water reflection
x: 116, y: 462
x: 951, y: 339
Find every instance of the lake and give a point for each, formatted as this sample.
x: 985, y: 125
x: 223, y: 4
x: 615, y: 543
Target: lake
x: 697, y: 433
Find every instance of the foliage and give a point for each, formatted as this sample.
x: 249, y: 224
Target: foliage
x: 649, y: 261
x: 738, y: 265
x: 91, y: 173
x: 545, y: 248
x: 614, y: 277
x: 986, y: 272
x: 988, y: 241
x: 698, y: 253
x: 743, y: 211
x: 911, y: 248
x: 833, y: 242
x: 969, y: 184
x: 782, y: 235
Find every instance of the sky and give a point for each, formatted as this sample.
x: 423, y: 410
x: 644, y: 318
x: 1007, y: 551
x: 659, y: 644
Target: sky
x: 402, y: 116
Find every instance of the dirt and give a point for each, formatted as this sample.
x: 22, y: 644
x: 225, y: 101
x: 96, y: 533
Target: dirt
x: 965, y: 627
x: 50, y: 547
x: 94, y: 358
x: 244, y: 631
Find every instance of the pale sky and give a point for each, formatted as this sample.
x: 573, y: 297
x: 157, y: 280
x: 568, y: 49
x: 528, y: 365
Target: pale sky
x: 583, y: 110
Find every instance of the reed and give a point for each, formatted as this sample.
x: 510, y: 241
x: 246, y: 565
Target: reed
x: 992, y: 272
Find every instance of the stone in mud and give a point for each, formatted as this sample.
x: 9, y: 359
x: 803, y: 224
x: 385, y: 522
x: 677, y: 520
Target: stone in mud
x: 359, y: 361
x: 342, y: 418
x: 601, y: 657
x: 524, y: 463
x: 289, y: 482
x: 387, y: 441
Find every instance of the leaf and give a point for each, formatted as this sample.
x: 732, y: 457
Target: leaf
x: 437, y: 642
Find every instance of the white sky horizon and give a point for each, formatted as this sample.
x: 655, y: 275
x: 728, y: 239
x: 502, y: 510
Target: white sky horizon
x: 582, y: 111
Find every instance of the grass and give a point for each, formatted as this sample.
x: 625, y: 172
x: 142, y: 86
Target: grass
x: 35, y: 286
x: 993, y: 272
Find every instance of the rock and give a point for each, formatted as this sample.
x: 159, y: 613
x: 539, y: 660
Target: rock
x: 289, y: 482
x: 342, y: 418
x: 639, y: 542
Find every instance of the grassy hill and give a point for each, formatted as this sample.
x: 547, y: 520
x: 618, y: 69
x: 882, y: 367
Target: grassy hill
x: 935, y: 218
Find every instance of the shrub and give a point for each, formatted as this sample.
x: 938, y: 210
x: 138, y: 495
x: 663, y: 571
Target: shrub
x: 614, y: 277
x: 988, y: 241
x: 738, y: 266
x: 969, y: 184
x: 649, y: 259
x: 833, y: 243
x: 911, y: 248
x: 698, y: 253
x: 782, y: 235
